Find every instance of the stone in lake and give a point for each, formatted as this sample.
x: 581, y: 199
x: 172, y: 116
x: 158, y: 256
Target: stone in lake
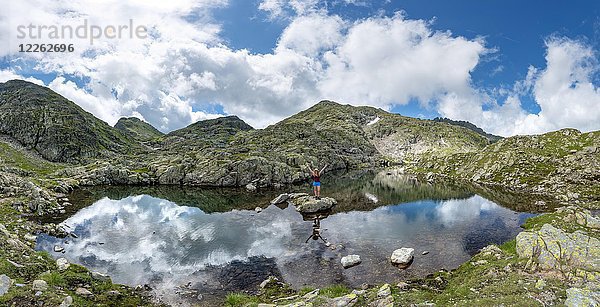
x: 350, y: 261
x: 280, y: 199
x: 403, y: 257
x: 310, y: 204
x: 258, y: 209
x: 58, y: 248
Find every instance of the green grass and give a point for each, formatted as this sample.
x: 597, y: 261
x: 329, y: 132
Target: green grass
x: 16, y: 158
x: 240, y: 299
x: 335, y: 291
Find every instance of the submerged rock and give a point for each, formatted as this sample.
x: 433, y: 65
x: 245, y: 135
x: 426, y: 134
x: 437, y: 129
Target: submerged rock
x: 350, y: 261
x: 310, y: 204
x: 553, y: 249
x: 402, y: 257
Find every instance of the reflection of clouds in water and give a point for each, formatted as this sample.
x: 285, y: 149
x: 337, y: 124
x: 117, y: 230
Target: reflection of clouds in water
x: 455, y: 211
x: 154, y: 240
x: 144, y: 234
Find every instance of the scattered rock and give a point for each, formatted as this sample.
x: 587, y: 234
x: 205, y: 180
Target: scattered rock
x: 39, y: 285
x: 402, y: 257
x: 346, y: 300
x: 250, y: 187
x: 582, y: 297
x: 280, y: 199
x: 402, y: 285
x: 384, y: 291
x: 100, y: 277
x: 5, y: 283
x: 62, y: 264
x: 269, y: 281
x: 540, y: 284
x: 84, y: 292
x: 350, y: 261
x: 115, y: 293
x: 359, y: 292
x: 479, y: 262
x: 68, y: 301
x: 311, y: 295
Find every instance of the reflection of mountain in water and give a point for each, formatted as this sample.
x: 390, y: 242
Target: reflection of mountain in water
x: 152, y: 240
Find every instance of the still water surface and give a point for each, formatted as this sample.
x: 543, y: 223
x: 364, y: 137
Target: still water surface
x: 213, y: 240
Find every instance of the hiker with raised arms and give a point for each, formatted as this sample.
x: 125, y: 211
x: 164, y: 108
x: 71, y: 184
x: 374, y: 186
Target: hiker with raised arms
x: 316, y: 178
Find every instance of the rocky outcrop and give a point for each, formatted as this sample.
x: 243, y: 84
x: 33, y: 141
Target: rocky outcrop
x: 563, y: 164
x: 577, y: 297
x: 551, y: 248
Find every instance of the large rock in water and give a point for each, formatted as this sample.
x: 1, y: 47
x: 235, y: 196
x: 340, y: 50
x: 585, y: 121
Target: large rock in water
x: 350, y: 261
x: 554, y: 249
x: 402, y: 257
x: 310, y: 204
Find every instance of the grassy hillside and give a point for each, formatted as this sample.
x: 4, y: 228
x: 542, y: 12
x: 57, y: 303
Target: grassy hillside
x: 58, y: 129
x: 563, y: 163
x: 137, y: 129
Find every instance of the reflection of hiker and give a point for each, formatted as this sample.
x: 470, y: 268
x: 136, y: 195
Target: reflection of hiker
x: 316, y: 231
x: 316, y: 177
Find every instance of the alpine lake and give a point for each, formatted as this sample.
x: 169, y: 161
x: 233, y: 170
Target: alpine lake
x: 198, y: 244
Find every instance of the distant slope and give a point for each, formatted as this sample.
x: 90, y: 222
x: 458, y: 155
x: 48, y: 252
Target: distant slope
x: 55, y: 127
x: 564, y: 164
x: 137, y: 129
x: 492, y: 138
x: 228, y: 152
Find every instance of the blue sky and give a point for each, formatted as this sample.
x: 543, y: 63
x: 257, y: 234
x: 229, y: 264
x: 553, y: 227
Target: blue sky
x: 510, y: 67
x: 517, y: 29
